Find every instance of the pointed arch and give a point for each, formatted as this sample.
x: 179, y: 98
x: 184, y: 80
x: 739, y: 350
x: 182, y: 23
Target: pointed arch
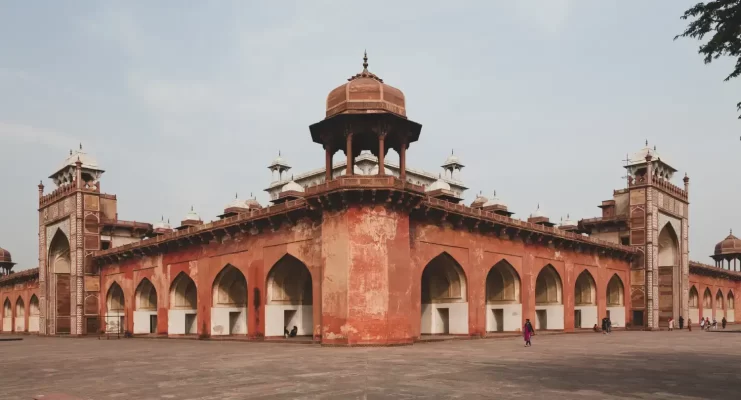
x: 289, y: 282
x: 503, y: 284
x: 7, y: 309
x: 548, y: 286
x: 59, y: 253
x: 229, y: 288
x: 731, y: 300
x: 585, y: 289
x: 719, y: 299
x: 668, y: 247
x: 183, y: 293
x: 145, y: 296
x: 443, y: 280
x: 615, y: 292
x: 707, y: 299
x: 115, y: 299
x: 33, y: 306
x: 20, y: 308
x: 694, y: 297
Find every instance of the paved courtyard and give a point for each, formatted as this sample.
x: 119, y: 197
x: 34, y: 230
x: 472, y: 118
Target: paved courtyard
x: 645, y: 365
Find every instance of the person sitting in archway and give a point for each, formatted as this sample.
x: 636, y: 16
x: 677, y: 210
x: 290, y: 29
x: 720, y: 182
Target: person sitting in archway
x: 294, y: 331
x: 285, y: 332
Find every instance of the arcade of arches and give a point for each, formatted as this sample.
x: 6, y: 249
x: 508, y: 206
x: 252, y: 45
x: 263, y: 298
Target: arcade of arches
x: 371, y: 256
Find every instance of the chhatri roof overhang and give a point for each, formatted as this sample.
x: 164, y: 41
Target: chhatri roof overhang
x: 699, y: 268
x: 20, y: 276
x: 337, y: 193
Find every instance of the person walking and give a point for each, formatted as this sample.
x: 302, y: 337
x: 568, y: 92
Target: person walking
x: 527, y: 332
x: 671, y: 324
x: 681, y: 322
x: 723, y: 322
x: 604, y: 325
x: 689, y: 324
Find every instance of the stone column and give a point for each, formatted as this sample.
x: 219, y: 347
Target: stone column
x: 349, y: 170
x: 42, y: 266
x: 328, y: 162
x: 685, y: 267
x: 652, y: 314
x: 381, y: 155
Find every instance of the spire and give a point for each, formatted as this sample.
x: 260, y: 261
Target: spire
x: 191, y: 208
x: 646, y: 142
x: 278, y: 152
x: 80, y: 145
x: 365, y: 61
x: 70, y: 151
x: 495, y: 193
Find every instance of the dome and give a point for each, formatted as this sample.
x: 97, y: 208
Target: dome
x: 639, y: 157
x: 192, y: 216
x: 237, y: 203
x: 729, y: 245
x: 292, y: 186
x: 5, y: 256
x: 365, y: 93
x: 437, y: 185
x: 494, y: 201
x: 452, y: 159
x: 87, y: 160
x: 568, y: 221
x: 161, y: 224
x: 538, y: 213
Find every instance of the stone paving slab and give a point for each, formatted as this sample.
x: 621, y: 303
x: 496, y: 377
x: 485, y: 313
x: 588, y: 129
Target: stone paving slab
x: 635, y: 365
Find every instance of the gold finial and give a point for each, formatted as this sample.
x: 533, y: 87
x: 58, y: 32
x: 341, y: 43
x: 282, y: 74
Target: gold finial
x: 365, y: 60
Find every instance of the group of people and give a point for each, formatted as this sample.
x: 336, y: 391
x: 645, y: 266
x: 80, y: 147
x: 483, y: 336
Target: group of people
x: 707, y: 325
x: 292, y: 333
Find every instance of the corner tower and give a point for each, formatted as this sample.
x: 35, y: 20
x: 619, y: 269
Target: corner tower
x: 69, y: 232
x: 365, y: 218
x: 658, y: 224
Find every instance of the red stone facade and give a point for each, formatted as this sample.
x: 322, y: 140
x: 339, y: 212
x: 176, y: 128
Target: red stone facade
x: 355, y: 260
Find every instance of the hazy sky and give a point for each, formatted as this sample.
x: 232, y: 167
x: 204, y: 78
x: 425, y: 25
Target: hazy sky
x: 187, y: 104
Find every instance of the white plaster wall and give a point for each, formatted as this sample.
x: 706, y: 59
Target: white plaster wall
x: 176, y: 322
x: 707, y: 313
x: 7, y: 324
x: 19, y: 324
x: 695, y: 315
x: 588, y: 316
x: 303, y: 320
x: 617, y: 316
x: 33, y: 324
x: 220, y: 324
x: 731, y: 316
x: 719, y: 314
x: 512, y: 317
x: 112, y: 323
x: 141, y: 321
x: 554, y: 314
x: 457, y: 318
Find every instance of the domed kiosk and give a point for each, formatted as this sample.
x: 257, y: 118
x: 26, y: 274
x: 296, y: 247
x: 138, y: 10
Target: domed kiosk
x: 365, y: 114
x: 727, y: 254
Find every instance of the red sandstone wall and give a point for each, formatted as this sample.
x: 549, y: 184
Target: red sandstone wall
x: 477, y: 254
x: 252, y: 255
x: 12, y: 292
x: 701, y: 282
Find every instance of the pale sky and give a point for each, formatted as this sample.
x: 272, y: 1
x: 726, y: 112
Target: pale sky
x: 187, y: 103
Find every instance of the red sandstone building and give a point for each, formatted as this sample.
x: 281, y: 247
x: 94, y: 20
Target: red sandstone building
x: 366, y: 252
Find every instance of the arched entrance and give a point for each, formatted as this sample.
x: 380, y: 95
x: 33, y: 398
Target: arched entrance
x: 229, y: 303
x: 20, y: 315
x: 290, y: 298
x: 548, y: 299
x: 730, y: 307
x: 145, y: 308
x: 503, y: 301
x: 719, y: 300
x: 585, y: 301
x: 59, y: 266
x: 33, y: 314
x: 182, y: 317
x: 616, y: 301
x: 668, y: 272
x: 114, y: 317
x: 694, y: 305
x: 7, y: 316
x: 707, y: 304
x: 444, y: 304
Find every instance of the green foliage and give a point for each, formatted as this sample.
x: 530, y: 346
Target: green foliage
x: 722, y: 19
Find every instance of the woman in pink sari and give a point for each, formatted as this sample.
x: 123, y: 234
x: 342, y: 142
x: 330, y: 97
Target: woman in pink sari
x: 527, y: 332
